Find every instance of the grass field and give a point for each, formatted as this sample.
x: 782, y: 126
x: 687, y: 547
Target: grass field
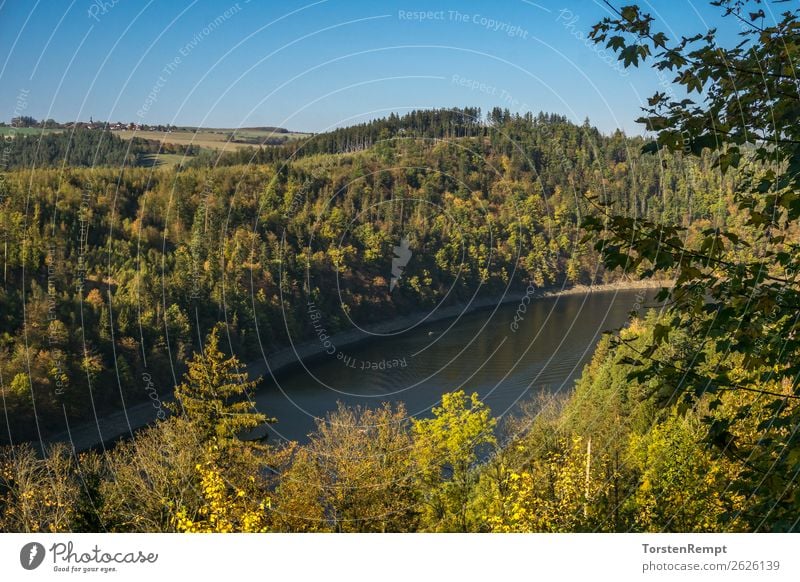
x: 162, y: 160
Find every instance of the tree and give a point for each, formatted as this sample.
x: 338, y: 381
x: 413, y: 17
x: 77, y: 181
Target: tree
x: 737, y: 291
x: 21, y: 387
x: 565, y: 491
x: 172, y: 477
x: 446, y: 451
x: 224, y: 507
x: 37, y: 495
x: 355, y: 475
x: 683, y: 487
x: 215, y: 395
x: 150, y: 478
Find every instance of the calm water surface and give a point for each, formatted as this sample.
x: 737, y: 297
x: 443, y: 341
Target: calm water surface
x: 479, y: 352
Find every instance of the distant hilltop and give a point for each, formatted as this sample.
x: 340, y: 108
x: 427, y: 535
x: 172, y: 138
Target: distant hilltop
x: 268, y: 128
x: 51, y: 144
x: 28, y: 122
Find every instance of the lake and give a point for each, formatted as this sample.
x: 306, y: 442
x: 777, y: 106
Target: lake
x: 481, y: 352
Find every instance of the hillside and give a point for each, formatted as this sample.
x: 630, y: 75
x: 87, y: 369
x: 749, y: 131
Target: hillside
x: 106, y: 271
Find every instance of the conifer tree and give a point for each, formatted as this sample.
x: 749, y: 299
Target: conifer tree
x: 215, y: 393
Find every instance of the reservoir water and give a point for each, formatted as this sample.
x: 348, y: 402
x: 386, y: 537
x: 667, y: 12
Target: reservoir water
x: 483, y: 351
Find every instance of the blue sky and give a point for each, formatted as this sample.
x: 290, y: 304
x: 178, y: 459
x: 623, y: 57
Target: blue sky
x: 313, y: 64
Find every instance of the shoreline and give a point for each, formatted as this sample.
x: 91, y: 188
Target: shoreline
x: 289, y: 357
x: 119, y: 425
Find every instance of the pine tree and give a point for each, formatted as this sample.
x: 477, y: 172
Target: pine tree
x: 216, y: 395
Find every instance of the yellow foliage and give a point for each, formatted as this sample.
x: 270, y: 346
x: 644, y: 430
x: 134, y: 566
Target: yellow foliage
x: 225, y: 508
x: 556, y: 494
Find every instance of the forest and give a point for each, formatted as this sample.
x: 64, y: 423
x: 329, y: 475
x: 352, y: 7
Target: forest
x: 683, y: 421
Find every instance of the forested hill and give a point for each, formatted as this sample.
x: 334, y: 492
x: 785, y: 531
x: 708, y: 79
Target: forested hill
x: 106, y: 271
x: 425, y: 124
x: 429, y: 123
